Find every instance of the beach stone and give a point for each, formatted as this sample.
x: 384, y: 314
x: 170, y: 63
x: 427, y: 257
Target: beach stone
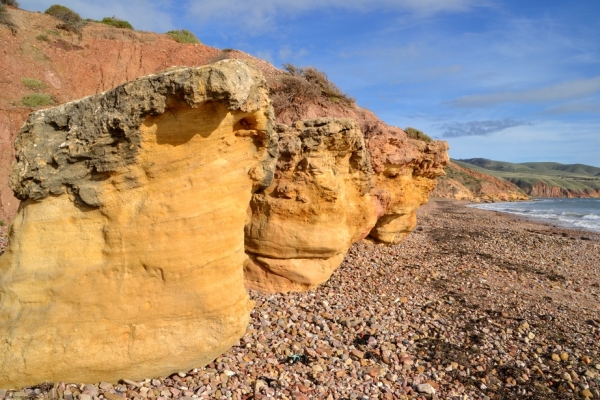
x: 357, y: 353
x: 425, y: 388
x: 587, y: 393
x: 128, y: 244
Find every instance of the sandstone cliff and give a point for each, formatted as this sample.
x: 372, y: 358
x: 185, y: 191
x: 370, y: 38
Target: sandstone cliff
x: 72, y: 66
x: 126, y: 256
x: 466, y: 184
x: 317, y: 206
x: 405, y: 169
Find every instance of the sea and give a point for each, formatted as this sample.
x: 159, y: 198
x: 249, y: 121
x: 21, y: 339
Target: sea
x: 568, y: 213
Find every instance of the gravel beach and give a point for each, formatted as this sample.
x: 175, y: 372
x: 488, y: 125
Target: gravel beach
x: 473, y: 304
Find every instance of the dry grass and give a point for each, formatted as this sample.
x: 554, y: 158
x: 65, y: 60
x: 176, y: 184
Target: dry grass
x: 302, y: 86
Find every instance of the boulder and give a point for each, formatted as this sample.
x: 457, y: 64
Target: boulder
x: 126, y: 256
x: 319, y: 203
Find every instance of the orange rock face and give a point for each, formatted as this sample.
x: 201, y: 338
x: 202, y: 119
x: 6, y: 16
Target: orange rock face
x: 126, y: 257
x: 317, y: 206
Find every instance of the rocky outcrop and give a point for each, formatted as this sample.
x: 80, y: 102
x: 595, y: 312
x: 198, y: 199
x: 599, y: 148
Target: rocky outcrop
x: 405, y: 172
x: 462, y: 183
x: 126, y: 257
x: 405, y: 169
x: 317, y: 206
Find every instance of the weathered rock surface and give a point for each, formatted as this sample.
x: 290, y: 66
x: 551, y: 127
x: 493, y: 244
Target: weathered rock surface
x: 466, y: 184
x: 405, y: 173
x: 317, y: 206
x: 125, y: 258
x: 405, y: 169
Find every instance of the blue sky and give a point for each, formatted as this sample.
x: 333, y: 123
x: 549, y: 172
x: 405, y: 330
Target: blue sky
x: 506, y: 80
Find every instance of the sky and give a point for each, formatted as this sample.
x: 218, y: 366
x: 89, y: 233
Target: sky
x: 506, y: 80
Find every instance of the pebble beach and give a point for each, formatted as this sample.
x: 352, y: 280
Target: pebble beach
x: 473, y: 304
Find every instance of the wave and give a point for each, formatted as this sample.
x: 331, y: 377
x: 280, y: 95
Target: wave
x: 553, y: 212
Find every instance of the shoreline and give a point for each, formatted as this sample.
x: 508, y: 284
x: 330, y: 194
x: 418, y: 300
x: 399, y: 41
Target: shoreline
x: 473, y: 304
x: 558, y: 224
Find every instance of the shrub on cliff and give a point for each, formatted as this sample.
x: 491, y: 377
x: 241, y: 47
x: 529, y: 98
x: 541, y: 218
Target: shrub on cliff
x: 6, y: 20
x: 417, y: 134
x: 184, y: 36
x: 33, y: 84
x: 71, y: 20
x: 13, y: 3
x: 37, y: 100
x: 116, y: 22
x: 304, y: 85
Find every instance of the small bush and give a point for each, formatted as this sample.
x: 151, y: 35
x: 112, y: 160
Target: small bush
x: 43, y: 38
x: 6, y: 20
x: 417, y: 134
x: 33, y: 83
x: 72, y: 20
x: 184, y: 36
x: 13, y: 3
x: 293, y: 91
x: 37, y: 100
x: 116, y: 22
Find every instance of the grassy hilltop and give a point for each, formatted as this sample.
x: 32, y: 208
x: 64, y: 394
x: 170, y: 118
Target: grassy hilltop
x: 543, y: 179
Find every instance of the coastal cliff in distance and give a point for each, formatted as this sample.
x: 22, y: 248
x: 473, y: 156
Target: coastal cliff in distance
x: 543, y: 179
x: 463, y: 183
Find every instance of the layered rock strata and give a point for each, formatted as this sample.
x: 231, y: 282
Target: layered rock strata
x: 319, y: 203
x: 126, y: 255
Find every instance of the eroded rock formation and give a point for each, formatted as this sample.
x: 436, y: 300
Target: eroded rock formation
x: 317, y: 206
x: 405, y: 172
x: 125, y: 258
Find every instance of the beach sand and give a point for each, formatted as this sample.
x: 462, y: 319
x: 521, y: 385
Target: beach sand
x: 473, y: 304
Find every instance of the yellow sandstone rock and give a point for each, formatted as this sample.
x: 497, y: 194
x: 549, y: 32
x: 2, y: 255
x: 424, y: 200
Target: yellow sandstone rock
x: 126, y: 256
x: 317, y: 206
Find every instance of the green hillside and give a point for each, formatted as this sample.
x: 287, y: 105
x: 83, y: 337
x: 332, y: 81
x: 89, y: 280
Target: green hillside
x: 577, y: 179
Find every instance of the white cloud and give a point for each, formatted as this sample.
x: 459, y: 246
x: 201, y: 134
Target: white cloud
x: 260, y: 14
x: 478, y: 128
x: 562, y: 91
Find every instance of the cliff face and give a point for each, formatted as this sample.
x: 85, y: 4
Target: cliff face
x: 71, y: 67
x: 317, y: 206
x: 466, y: 184
x: 405, y: 169
x: 126, y: 256
x: 541, y: 189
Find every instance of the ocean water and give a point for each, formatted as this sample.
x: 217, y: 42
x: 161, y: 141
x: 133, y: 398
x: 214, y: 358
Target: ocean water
x: 569, y: 213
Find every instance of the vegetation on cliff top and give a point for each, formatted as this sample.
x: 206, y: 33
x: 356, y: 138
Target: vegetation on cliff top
x: 184, y: 36
x: 302, y: 86
x: 71, y: 20
x: 13, y: 3
x: 417, y: 134
x: 572, y: 177
x: 116, y: 22
x: 6, y: 20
